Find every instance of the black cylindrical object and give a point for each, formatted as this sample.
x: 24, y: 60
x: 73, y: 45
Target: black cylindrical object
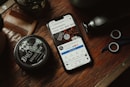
x: 31, y: 52
x: 104, y: 24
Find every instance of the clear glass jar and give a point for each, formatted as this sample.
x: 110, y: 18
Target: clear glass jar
x: 35, y: 8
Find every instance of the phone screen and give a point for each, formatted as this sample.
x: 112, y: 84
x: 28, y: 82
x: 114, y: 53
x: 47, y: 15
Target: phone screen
x: 69, y: 42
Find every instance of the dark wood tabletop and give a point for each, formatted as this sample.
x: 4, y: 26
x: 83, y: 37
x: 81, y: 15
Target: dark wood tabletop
x: 105, y: 68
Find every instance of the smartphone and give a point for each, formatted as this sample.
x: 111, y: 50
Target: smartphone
x: 69, y: 42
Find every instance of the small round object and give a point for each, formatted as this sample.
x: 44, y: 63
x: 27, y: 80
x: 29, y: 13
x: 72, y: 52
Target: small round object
x: 31, y: 52
x: 66, y: 36
x: 115, y: 34
x: 113, y: 47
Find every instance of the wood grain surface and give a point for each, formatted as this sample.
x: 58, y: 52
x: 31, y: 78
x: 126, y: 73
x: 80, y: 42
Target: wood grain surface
x: 105, y: 68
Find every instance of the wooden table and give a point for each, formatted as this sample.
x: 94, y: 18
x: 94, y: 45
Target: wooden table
x: 106, y: 67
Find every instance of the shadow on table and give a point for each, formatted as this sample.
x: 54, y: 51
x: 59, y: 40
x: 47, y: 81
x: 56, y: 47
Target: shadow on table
x: 123, y: 80
x: 6, y: 68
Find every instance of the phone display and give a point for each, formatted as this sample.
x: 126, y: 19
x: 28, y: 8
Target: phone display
x: 69, y: 42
